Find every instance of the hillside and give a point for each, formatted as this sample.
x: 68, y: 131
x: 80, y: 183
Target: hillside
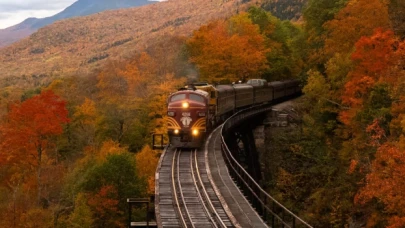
x: 85, y: 43
x: 286, y: 9
x: 78, y: 8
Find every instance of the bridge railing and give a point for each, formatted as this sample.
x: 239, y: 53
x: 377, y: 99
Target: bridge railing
x: 273, y: 212
x: 157, y: 188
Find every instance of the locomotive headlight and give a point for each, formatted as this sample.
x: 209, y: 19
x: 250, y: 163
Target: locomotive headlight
x: 170, y: 113
x: 195, y: 132
x: 201, y: 114
x: 176, y: 131
x: 185, y: 105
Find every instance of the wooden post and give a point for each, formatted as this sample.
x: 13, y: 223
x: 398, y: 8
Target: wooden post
x: 133, y: 201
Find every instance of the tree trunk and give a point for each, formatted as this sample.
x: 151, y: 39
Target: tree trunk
x: 121, y: 131
x: 39, y: 169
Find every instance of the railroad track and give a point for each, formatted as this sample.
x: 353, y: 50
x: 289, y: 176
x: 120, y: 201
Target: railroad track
x: 191, y: 194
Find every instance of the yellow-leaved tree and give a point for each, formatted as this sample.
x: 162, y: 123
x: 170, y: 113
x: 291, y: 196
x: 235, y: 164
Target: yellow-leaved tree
x: 146, y: 163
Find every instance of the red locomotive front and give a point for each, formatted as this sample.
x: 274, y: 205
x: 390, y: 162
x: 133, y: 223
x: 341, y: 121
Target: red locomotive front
x: 187, y: 112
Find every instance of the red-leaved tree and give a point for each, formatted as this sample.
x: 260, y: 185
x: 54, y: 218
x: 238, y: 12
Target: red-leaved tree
x: 386, y: 183
x: 26, y: 135
x: 374, y: 57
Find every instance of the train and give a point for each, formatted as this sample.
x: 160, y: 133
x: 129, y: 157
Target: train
x: 194, y: 110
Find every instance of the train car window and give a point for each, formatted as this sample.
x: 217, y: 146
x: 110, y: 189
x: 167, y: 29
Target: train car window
x: 195, y: 97
x: 178, y: 97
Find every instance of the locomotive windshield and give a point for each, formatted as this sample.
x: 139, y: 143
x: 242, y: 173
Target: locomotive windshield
x: 178, y: 97
x: 183, y: 96
x: 195, y: 97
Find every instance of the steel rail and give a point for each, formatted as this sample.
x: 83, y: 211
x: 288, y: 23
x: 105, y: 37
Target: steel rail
x: 180, y: 213
x: 200, y: 196
x: 207, y: 197
x: 181, y: 191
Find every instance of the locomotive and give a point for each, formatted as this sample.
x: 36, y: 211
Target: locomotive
x: 194, y: 110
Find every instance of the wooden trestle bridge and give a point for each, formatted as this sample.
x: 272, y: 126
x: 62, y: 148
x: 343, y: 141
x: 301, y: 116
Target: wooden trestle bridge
x: 209, y: 188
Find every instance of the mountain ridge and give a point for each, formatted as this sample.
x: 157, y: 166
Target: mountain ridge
x: 79, y: 8
x: 85, y: 43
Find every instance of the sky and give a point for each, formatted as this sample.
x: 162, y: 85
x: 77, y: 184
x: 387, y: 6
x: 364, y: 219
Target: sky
x: 13, y: 12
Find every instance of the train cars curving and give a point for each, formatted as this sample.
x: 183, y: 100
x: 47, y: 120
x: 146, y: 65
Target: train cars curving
x: 194, y: 110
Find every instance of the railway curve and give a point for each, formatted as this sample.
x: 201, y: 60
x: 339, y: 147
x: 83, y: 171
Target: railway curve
x: 197, y: 188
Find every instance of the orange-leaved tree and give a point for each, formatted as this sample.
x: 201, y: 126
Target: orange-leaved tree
x: 367, y: 97
x: 26, y: 135
x: 386, y: 183
x: 123, y: 88
x: 115, y: 104
x: 161, y: 89
x: 358, y: 18
x: 228, y: 50
x: 85, y: 118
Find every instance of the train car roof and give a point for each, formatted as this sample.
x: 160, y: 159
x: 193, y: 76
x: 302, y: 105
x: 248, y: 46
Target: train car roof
x: 242, y: 85
x: 292, y: 81
x: 276, y: 83
x: 221, y: 88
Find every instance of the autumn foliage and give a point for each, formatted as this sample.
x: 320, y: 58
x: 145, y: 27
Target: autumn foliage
x: 353, y: 114
x: 228, y: 50
x: 105, y: 207
x: 386, y: 183
x: 373, y: 57
x: 110, y: 115
x: 357, y: 19
x: 30, y: 125
x: 83, y: 44
x: 147, y: 160
x: 73, y: 146
x: 28, y: 133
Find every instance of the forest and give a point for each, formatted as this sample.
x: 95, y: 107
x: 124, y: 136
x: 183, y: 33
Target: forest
x: 73, y: 149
